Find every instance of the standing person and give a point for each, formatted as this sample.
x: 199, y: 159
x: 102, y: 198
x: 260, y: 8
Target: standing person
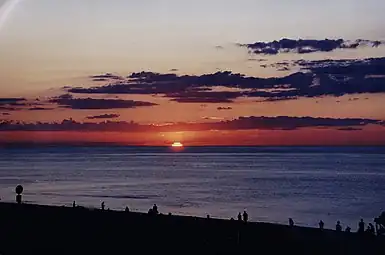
x: 291, y: 222
x: 155, y: 209
x: 321, y: 224
x: 338, y: 226
x: 245, y: 216
x: 239, y: 217
x: 361, y: 226
x: 103, y: 206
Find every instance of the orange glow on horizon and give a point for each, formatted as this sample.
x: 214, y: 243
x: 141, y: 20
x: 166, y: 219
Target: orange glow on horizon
x: 177, y: 145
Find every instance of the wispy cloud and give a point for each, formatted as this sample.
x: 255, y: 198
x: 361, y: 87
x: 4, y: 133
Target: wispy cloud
x: 68, y: 101
x: 39, y: 109
x: 104, y: 116
x: 106, y: 76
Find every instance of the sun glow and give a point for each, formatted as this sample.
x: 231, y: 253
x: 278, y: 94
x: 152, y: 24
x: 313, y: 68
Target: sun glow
x: 177, y: 145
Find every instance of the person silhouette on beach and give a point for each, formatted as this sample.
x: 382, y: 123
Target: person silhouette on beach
x: 245, y: 216
x: 74, y: 204
x: 321, y: 224
x: 239, y: 217
x: 19, y: 190
x: 361, y: 226
x: 155, y: 209
x: 127, y: 209
x: 291, y: 222
x: 103, y: 206
x: 348, y: 229
x: 338, y: 226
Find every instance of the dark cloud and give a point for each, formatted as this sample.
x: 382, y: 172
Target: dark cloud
x: 218, y: 47
x: 371, y: 68
x: 67, y: 101
x: 242, y: 123
x: 174, y: 70
x: 277, y: 99
x: 104, y: 116
x: 349, y: 129
x: 6, y: 114
x: 224, y: 108
x: 204, y: 97
x: 316, y: 79
x: 11, y: 101
x: 106, y: 76
x: 282, y: 66
x: 39, y: 109
x: 303, y: 46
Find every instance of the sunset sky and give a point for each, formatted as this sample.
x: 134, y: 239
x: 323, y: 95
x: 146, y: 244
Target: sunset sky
x: 204, y: 72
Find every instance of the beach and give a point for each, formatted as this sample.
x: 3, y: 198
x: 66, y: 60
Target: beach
x: 40, y: 229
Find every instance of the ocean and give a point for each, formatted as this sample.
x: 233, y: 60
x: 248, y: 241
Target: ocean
x: 307, y: 184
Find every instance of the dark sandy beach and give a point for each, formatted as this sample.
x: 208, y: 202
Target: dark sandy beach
x: 37, y: 229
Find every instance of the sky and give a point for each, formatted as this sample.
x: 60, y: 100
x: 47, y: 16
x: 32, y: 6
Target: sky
x: 152, y: 72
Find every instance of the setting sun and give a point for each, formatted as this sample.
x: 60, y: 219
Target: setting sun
x: 177, y: 144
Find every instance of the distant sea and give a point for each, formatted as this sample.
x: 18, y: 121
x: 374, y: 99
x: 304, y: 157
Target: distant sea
x: 272, y: 183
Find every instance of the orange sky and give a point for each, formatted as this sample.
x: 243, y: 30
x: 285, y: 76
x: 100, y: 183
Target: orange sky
x: 46, y: 55
x: 371, y: 136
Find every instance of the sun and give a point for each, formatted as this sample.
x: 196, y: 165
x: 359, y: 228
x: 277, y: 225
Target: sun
x: 177, y: 145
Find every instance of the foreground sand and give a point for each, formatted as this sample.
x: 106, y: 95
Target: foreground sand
x: 36, y: 229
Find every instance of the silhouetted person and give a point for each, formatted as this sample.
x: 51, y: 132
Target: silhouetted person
x: 239, y: 217
x: 169, y: 214
x: 232, y: 219
x: 103, y: 206
x: 127, y: 210
x: 348, y: 229
x: 245, y: 216
x: 150, y: 211
x: 74, y: 204
x: 361, y: 226
x: 208, y: 216
x: 19, y: 190
x: 18, y: 199
x: 291, y: 222
x: 321, y: 224
x: 338, y: 226
x: 155, y: 209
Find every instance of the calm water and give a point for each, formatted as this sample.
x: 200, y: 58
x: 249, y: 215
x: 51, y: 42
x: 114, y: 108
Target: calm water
x: 273, y: 184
